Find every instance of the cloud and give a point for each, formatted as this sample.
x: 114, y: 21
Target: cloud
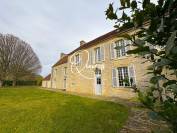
x: 54, y: 26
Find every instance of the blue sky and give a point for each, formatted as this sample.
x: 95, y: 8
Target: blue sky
x: 54, y: 26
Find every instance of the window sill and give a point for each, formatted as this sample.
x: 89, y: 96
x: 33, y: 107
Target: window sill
x: 123, y: 88
x: 126, y: 87
x: 121, y: 58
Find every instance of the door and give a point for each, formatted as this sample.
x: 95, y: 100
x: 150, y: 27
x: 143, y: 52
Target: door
x: 98, y: 83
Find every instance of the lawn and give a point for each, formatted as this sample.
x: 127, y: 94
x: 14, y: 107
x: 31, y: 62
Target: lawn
x: 32, y: 110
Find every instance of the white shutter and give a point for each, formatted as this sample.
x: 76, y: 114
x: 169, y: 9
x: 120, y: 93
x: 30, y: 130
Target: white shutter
x: 114, y: 77
x: 132, y: 73
x: 74, y: 58
x: 90, y: 57
x: 80, y: 59
x: 102, y: 53
x: 93, y: 56
x: 128, y: 45
x: 112, y: 50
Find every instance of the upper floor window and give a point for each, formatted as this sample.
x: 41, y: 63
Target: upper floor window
x: 77, y: 59
x: 119, y: 48
x: 65, y: 69
x: 98, y: 54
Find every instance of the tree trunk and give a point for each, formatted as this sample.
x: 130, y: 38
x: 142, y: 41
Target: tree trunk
x: 1, y: 83
x: 14, y: 83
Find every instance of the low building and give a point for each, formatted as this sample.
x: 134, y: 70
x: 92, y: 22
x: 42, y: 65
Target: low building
x: 46, y: 82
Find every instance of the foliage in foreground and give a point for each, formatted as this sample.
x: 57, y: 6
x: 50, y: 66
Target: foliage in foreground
x: 156, y: 41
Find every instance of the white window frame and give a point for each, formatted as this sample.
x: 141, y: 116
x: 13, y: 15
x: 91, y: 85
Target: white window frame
x: 77, y: 59
x: 123, y: 76
x: 65, y: 70
x: 64, y: 83
x: 98, y: 54
x: 123, y: 51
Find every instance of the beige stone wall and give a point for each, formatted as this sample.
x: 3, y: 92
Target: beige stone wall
x: 82, y: 84
x: 46, y: 84
x: 61, y: 76
x: 84, y: 80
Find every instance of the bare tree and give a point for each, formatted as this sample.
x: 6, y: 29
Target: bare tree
x: 17, y: 59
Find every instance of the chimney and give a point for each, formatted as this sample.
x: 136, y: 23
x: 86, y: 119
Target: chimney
x: 82, y: 42
x: 62, y: 55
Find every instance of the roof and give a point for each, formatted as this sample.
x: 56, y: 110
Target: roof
x: 97, y: 40
x: 61, y: 61
x: 102, y: 38
x: 47, y: 77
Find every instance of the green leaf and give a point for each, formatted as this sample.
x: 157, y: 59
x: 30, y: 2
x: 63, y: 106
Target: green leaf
x: 163, y: 62
x: 138, y: 50
x: 125, y: 17
x: 169, y: 82
x: 134, y: 5
x: 122, y: 2
x: 173, y: 87
x: 127, y: 36
x: 154, y: 80
x: 170, y: 43
x: 139, y: 42
x: 139, y: 18
x: 110, y: 12
x: 145, y: 2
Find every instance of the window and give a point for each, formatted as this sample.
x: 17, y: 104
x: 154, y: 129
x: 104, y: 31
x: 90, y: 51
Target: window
x: 77, y: 59
x: 123, y: 76
x: 98, y: 54
x: 98, y: 81
x: 64, y: 83
x: 65, y: 68
x: 98, y: 71
x: 121, y: 51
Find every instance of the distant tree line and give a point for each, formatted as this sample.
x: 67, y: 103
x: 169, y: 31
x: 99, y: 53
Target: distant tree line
x: 18, y: 61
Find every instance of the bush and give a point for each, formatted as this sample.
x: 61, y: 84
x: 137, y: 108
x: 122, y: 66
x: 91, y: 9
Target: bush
x: 19, y: 83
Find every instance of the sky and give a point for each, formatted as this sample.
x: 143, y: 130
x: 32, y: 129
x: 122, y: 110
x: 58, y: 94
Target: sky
x: 54, y: 26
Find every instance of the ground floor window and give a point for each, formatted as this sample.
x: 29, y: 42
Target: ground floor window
x: 64, y: 83
x: 123, y: 76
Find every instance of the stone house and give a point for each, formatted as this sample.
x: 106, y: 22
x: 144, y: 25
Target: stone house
x: 46, y: 82
x: 97, y: 68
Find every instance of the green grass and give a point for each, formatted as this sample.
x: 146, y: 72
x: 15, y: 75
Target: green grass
x: 32, y: 110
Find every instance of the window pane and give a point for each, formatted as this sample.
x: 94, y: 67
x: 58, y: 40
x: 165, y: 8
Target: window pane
x: 98, y: 54
x: 126, y: 78
x: 117, y: 50
x: 120, y: 76
x: 123, y: 51
x: 123, y: 76
x: 77, y: 59
x: 98, y: 81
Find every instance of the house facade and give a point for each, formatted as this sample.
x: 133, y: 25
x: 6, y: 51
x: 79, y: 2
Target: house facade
x: 46, y: 82
x: 97, y: 68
